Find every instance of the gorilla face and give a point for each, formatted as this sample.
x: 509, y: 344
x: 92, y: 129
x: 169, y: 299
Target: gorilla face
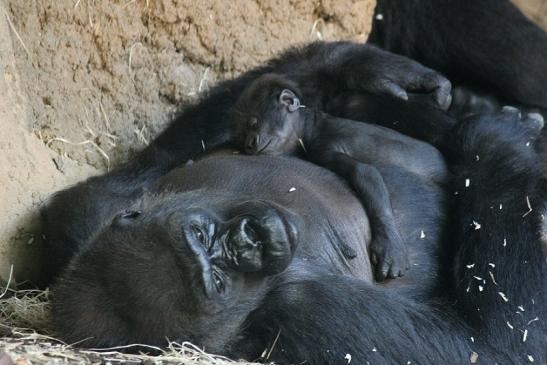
x: 188, y: 267
x: 254, y: 236
x: 266, y: 118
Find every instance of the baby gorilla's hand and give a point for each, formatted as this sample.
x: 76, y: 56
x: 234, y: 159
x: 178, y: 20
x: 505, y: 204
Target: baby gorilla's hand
x: 389, y: 255
x: 387, y: 73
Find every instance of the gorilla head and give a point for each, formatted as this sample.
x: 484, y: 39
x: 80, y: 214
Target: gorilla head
x: 196, y: 255
x: 266, y: 117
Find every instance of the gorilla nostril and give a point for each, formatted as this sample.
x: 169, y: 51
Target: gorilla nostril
x: 250, y: 233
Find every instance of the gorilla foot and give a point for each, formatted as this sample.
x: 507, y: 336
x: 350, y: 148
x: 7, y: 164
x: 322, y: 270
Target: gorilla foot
x: 389, y: 256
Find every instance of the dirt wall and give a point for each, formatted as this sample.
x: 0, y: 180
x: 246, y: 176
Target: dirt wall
x: 535, y: 10
x: 87, y: 82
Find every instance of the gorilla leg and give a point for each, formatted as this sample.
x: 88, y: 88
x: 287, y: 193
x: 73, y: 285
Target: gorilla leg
x: 486, y: 44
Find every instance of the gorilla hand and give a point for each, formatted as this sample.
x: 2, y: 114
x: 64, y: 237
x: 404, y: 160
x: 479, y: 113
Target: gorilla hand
x: 381, y: 72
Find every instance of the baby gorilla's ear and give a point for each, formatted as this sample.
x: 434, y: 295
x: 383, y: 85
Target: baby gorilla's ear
x: 290, y: 100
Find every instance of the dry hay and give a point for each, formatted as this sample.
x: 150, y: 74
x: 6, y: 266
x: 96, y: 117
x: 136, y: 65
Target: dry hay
x: 26, y: 335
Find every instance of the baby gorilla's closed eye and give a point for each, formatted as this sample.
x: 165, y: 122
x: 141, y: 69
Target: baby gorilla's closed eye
x: 276, y: 124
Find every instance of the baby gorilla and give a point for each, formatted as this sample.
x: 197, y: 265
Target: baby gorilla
x: 269, y: 118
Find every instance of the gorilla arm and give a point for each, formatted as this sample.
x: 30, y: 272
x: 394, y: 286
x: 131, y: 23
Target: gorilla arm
x: 488, y: 44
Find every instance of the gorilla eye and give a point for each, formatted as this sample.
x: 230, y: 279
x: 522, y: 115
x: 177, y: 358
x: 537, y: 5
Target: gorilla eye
x: 130, y: 214
x: 219, y: 281
x: 200, y: 236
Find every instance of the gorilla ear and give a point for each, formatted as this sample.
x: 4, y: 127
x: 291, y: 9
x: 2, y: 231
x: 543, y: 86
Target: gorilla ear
x: 289, y: 100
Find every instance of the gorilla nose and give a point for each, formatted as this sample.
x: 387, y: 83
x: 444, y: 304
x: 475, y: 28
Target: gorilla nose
x: 246, y: 247
x: 252, y: 143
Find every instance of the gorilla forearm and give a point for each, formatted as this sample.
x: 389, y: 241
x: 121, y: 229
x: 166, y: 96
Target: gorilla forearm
x: 373, y: 326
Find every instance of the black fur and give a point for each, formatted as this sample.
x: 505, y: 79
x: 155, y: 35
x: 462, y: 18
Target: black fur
x: 491, y: 47
x: 135, y: 280
x: 265, y: 122
x: 320, y: 69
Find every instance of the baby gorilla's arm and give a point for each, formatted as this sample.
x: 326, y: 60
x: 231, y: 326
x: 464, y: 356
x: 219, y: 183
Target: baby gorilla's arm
x: 387, y: 249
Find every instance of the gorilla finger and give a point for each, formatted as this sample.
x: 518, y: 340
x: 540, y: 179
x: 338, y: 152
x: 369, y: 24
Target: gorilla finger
x: 391, y: 88
x: 374, y: 258
x: 439, y: 86
x: 443, y: 95
x: 537, y: 120
x: 396, y: 272
x: 385, y: 269
x: 511, y: 111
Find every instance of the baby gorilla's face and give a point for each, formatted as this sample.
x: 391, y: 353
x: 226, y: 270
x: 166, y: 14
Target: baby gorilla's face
x: 267, y: 118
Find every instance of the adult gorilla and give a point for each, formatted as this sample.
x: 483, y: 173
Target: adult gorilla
x: 166, y: 273
x: 141, y: 277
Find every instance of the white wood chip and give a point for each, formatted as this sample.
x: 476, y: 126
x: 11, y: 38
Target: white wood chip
x: 503, y: 296
x: 348, y: 358
x: 529, y: 207
x: 492, y: 277
x: 473, y: 357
